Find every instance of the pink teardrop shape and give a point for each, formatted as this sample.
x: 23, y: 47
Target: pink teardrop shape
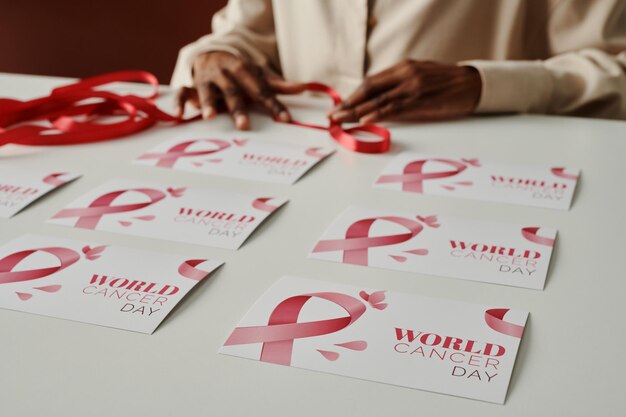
x: 49, y: 288
x: 146, y: 218
x: 197, y: 164
x: 359, y: 345
x: 125, y: 224
x: 364, y: 295
x: 240, y: 142
x: 23, y: 295
x: 214, y: 160
x: 315, y: 152
x: 380, y: 306
x: 420, y: 252
x: 377, y: 297
x: 331, y: 356
x: 465, y: 183
x: 447, y: 187
x: 398, y: 258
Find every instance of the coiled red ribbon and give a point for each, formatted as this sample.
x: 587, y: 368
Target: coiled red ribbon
x: 74, y: 113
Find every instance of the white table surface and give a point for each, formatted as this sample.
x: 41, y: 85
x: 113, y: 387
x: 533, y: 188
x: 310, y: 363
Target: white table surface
x: 571, y: 360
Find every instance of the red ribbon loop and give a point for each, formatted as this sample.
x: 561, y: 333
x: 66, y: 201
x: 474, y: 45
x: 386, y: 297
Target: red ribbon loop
x: 61, y: 107
x: 347, y: 137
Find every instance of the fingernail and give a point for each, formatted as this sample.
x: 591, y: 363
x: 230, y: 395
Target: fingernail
x: 283, y: 116
x: 208, y: 113
x: 241, y: 122
x: 338, y: 115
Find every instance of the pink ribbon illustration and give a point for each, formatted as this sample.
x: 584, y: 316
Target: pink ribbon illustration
x: 261, y: 204
x: 88, y: 217
x: 188, y: 269
x: 168, y: 158
x: 55, y: 179
x: 560, y: 172
x: 65, y: 256
x: 283, y: 327
x: 315, y: 152
x: 357, y: 242
x: 530, y: 234
x: 495, y: 320
x: 413, y: 177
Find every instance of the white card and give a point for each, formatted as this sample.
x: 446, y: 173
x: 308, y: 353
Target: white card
x: 437, y: 345
x: 481, y: 180
x: 19, y: 188
x: 192, y: 215
x: 96, y: 283
x: 499, y: 253
x: 237, y: 158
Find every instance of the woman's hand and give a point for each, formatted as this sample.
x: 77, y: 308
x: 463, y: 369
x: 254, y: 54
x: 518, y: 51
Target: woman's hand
x: 224, y: 78
x: 413, y: 90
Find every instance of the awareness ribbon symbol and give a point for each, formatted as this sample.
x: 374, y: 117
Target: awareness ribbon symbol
x: 495, y: 319
x: 188, y: 269
x: 532, y: 235
x: 88, y: 217
x: 358, y: 241
x: 283, y: 327
x: 168, y: 158
x: 413, y: 177
x: 65, y: 256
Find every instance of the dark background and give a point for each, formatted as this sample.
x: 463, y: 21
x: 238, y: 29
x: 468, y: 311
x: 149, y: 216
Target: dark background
x: 82, y: 38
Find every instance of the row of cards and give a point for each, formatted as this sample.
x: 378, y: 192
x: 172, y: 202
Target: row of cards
x: 517, y: 255
x: 431, y: 344
x: 257, y: 160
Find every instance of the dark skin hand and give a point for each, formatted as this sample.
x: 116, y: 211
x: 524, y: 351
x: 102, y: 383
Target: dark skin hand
x: 414, y: 91
x: 222, y: 79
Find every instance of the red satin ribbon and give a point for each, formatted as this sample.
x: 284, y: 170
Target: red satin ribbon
x: 64, y: 106
x: 346, y: 137
x: 73, y: 111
